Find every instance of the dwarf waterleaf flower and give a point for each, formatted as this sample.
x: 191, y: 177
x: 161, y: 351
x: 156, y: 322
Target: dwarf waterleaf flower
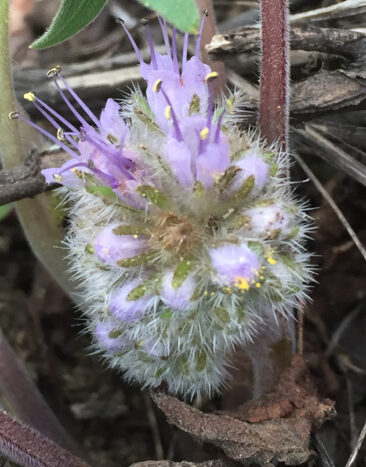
x: 183, y: 233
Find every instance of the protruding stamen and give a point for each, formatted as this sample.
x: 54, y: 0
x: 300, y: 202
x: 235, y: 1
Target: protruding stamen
x: 173, y: 114
x: 168, y: 112
x: 80, y: 101
x: 13, y: 115
x: 29, y: 96
x: 198, y: 42
x: 174, y: 48
x: 70, y: 106
x: 157, y: 85
x: 165, y: 35
x: 218, y: 127
x: 211, y: 76
x: 185, y: 49
x: 53, y: 71
x: 55, y: 114
x: 204, y: 133
x: 60, y: 134
x: 133, y: 43
x: 48, y: 135
x: 151, y: 46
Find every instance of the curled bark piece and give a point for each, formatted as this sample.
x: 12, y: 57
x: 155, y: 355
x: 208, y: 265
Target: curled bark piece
x: 275, y: 428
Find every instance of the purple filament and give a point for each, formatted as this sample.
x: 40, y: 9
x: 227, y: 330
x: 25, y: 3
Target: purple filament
x: 174, y: 48
x: 51, y: 137
x: 198, y: 42
x: 174, y: 116
x: 151, y: 46
x: 79, y: 101
x: 165, y: 36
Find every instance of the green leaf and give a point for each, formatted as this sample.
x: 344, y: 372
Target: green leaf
x: 4, y: 210
x: 183, y: 14
x: 72, y: 16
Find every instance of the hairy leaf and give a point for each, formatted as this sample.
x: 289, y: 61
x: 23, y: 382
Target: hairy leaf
x: 71, y: 17
x: 183, y: 14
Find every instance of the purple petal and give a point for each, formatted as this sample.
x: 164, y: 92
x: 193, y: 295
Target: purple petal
x: 128, y: 310
x: 156, y: 349
x: 111, y: 121
x: 110, y: 248
x: 178, y: 156
x: 64, y: 176
x: 213, y: 162
x: 103, y: 332
x: 234, y: 264
x: 178, y: 298
x: 251, y: 164
x: 266, y: 219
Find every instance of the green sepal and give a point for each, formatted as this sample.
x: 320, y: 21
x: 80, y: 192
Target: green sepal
x: 89, y: 249
x: 201, y: 359
x: 198, y: 188
x: 166, y: 314
x: 245, y: 188
x: 135, y: 260
x: 294, y: 232
x: 273, y: 169
x: 222, y: 314
x: 115, y: 333
x: 154, y: 195
x: 256, y: 247
x: 268, y: 156
x: 227, y: 177
x: 129, y: 230
x: 194, y: 106
x: 181, y: 273
x: 137, y: 293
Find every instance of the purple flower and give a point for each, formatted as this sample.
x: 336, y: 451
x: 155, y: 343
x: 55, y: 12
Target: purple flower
x: 250, y: 164
x: 125, y: 309
x: 200, y: 153
x: 234, y: 265
x: 109, y: 337
x: 178, y: 298
x: 267, y: 219
x: 181, y: 85
x: 156, y: 349
x: 111, y: 248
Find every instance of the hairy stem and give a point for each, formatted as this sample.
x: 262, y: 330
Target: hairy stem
x: 275, y: 80
x: 27, y: 447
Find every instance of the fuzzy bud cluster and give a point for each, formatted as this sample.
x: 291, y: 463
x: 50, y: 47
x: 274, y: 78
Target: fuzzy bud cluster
x: 183, y: 233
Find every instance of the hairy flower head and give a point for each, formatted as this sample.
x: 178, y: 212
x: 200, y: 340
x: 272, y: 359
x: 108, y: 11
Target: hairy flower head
x: 183, y: 232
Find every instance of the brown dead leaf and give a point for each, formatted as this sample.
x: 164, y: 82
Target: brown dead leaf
x: 275, y: 428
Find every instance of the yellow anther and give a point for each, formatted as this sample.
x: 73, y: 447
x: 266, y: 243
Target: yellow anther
x: 135, y: 236
x: 53, y: 71
x: 168, y: 111
x: 60, y: 134
x: 57, y: 178
x: 258, y: 285
x: 157, y: 85
x: 30, y: 96
x: 204, y: 133
x: 13, y: 115
x: 271, y: 260
x: 230, y: 106
x: 241, y: 283
x: 211, y: 76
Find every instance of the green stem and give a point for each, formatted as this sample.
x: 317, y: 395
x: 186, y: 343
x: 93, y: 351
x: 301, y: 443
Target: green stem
x: 38, y: 217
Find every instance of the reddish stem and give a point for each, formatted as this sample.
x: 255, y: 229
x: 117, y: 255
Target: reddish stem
x: 274, y: 82
x: 27, y: 447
